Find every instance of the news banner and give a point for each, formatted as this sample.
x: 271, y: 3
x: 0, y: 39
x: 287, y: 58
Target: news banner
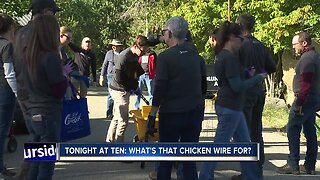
x: 141, y: 152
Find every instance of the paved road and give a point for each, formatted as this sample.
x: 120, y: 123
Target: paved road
x: 276, y: 148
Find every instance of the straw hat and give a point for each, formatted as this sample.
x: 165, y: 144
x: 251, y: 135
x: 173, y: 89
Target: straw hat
x: 115, y: 42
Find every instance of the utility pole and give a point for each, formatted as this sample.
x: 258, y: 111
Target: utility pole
x: 146, y: 24
x: 228, y: 10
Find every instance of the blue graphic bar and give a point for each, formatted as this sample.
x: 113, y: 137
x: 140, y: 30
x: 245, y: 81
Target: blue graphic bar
x: 159, y: 152
x: 40, y: 151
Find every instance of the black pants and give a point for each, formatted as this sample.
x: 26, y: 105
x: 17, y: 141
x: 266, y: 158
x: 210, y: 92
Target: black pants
x: 253, y: 112
x: 183, y: 126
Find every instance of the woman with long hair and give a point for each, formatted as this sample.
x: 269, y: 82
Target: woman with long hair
x: 8, y: 85
x: 230, y: 99
x: 46, y: 84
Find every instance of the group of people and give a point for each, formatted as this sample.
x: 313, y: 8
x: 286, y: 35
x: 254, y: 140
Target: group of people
x: 148, y: 63
x: 36, y: 69
x: 83, y: 65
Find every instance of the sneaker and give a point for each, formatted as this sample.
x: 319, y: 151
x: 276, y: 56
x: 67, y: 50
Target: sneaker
x: 304, y: 168
x: 287, y: 169
x: 8, y: 173
x: 109, y: 117
x: 22, y: 175
x: 153, y: 175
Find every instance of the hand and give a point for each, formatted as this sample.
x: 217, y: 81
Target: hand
x: 151, y: 125
x: 263, y: 75
x: 298, y: 110
x: 101, y: 81
x: 136, y: 92
x: 67, y: 69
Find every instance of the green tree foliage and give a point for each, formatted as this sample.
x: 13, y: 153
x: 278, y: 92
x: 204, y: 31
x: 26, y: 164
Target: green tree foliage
x: 98, y: 19
x: 15, y: 8
x: 202, y: 17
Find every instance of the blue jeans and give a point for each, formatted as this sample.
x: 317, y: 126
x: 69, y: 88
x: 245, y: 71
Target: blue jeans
x: 183, y: 126
x: 7, y: 106
x: 109, y: 98
x: 231, y: 123
x: 45, y: 130
x: 294, y: 126
x: 144, y: 80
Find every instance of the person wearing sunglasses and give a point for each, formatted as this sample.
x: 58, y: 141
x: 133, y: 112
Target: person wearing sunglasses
x: 178, y: 94
x: 65, y: 40
x: 86, y: 61
x: 148, y: 63
x: 302, y: 115
x: 230, y: 99
x: 127, y: 71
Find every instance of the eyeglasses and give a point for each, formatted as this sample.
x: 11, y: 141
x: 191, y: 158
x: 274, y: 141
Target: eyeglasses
x: 141, y: 49
x: 164, y: 31
x: 68, y: 38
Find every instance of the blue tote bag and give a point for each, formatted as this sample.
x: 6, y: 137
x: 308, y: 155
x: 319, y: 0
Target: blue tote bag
x: 75, y: 122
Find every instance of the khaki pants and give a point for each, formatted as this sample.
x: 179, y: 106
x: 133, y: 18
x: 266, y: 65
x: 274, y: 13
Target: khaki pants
x: 120, y: 118
x: 80, y: 86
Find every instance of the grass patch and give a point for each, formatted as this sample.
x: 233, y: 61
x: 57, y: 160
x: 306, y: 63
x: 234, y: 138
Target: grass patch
x: 318, y: 124
x: 275, y: 117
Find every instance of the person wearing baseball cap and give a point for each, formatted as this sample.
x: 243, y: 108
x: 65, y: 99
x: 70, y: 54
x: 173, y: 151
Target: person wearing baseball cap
x: 22, y: 37
x: 42, y: 6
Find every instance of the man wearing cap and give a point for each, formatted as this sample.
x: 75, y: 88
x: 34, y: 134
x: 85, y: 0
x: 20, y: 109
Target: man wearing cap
x: 86, y: 62
x: 107, y: 70
x: 38, y: 7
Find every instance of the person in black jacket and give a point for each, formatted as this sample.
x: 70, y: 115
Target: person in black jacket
x: 254, y: 56
x: 178, y: 94
x: 22, y: 37
x: 125, y: 80
x: 85, y: 60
